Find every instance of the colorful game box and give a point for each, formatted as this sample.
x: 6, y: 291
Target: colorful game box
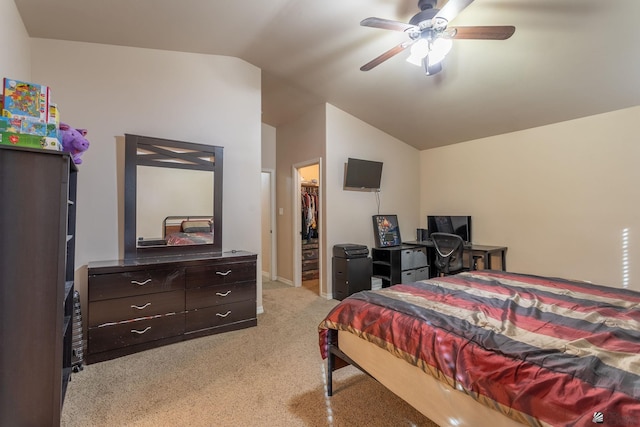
x: 33, y: 127
x: 31, y: 141
x: 26, y: 99
x: 10, y: 125
x: 54, y: 114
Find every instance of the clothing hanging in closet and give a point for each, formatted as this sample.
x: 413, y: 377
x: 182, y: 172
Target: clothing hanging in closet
x: 309, y: 212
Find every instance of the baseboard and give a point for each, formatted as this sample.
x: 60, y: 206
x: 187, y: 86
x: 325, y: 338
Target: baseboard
x: 285, y: 281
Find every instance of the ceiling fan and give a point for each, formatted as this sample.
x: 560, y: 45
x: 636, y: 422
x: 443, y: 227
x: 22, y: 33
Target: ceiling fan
x: 430, y: 38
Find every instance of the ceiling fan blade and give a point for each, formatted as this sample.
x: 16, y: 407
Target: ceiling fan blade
x: 388, y: 54
x: 452, y: 9
x: 484, y: 33
x: 386, y: 24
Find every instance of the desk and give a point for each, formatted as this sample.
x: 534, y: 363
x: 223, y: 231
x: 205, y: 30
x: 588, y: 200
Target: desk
x: 481, y: 251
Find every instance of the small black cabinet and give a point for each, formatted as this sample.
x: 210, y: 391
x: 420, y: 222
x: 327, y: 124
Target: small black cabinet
x: 350, y: 275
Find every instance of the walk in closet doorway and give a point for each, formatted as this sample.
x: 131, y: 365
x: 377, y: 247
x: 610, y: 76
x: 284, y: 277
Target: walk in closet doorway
x: 308, y: 229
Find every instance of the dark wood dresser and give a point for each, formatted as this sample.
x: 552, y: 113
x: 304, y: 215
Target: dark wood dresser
x: 310, y: 256
x: 143, y: 303
x: 37, y: 246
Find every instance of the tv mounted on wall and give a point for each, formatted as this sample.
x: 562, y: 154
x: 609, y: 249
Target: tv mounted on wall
x: 364, y: 175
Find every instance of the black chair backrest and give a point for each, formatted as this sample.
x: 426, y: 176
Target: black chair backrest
x: 449, y: 251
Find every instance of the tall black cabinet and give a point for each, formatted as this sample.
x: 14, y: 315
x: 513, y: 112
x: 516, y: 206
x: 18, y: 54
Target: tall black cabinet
x: 37, y: 248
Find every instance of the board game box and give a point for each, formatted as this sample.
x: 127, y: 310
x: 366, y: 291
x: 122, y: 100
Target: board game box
x: 26, y: 99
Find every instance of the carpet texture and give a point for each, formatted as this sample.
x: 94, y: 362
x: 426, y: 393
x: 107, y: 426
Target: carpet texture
x: 269, y: 375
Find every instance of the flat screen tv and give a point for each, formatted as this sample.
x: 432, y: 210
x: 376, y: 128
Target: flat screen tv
x: 454, y: 224
x: 362, y: 175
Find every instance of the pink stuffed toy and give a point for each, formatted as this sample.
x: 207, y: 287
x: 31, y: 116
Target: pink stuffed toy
x: 73, y: 141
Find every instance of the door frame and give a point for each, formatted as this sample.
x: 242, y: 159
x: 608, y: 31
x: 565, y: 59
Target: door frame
x: 273, y: 273
x: 297, y: 223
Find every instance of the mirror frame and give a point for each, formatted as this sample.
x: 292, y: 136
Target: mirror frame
x: 162, y: 156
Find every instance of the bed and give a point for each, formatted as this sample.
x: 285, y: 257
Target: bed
x: 491, y: 348
x: 187, y: 230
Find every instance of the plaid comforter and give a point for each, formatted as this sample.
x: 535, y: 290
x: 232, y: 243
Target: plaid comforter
x: 542, y: 351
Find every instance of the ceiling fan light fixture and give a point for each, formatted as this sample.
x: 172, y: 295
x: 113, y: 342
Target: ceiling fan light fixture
x: 439, y: 49
x: 429, y: 68
x: 419, y: 50
x: 429, y: 34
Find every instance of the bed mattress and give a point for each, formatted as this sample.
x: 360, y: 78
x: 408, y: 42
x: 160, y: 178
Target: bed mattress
x: 541, y: 351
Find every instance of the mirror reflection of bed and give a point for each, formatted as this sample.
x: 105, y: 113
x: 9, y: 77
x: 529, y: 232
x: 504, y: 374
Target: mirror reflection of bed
x: 169, y: 200
x: 187, y: 230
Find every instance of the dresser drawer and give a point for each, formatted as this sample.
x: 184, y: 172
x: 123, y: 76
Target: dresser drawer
x: 310, y: 254
x: 220, y: 274
x: 220, y: 315
x: 219, y: 294
x: 309, y: 264
x: 310, y: 275
x: 129, y: 283
x: 137, y: 332
x: 119, y: 309
x: 312, y: 245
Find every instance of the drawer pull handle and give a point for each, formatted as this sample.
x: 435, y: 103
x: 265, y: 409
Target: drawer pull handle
x: 141, y: 308
x: 223, y: 274
x: 140, y: 332
x: 224, y: 315
x: 220, y: 294
x: 135, y: 282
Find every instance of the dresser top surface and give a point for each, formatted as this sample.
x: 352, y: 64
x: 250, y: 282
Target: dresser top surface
x: 234, y: 255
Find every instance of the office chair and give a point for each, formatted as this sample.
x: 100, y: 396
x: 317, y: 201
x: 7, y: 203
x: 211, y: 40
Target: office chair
x: 449, y: 253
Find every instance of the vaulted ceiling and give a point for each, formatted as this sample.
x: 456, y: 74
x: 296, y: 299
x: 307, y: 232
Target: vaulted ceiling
x: 567, y: 58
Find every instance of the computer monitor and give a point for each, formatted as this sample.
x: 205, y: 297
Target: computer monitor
x: 453, y: 224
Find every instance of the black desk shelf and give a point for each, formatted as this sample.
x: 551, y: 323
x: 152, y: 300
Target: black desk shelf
x: 400, y: 264
x: 486, y: 254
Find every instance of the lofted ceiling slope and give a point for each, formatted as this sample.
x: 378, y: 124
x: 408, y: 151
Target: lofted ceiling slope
x: 567, y: 58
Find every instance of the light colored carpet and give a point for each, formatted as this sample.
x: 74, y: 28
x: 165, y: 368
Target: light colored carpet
x: 269, y: 375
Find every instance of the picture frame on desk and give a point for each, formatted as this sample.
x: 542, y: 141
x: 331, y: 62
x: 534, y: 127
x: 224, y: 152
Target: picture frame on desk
x: 386, y: 231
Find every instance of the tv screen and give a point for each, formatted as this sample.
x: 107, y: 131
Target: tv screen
x: 362, y: 174
x: 460, y: 225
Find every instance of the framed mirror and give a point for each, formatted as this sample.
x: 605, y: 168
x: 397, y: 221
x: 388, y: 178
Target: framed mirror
x: 173, y: 197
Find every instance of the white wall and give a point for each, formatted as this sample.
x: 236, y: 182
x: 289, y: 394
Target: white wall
x: 345, y: 216
x: 112, y: 90
x: 558, y: 196
x: 348, y: 213
x: 268, y: 147
x: 299, y: 141
x: 15, y: 50
x: 347, y: 137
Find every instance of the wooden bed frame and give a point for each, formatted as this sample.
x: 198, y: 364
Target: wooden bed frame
x: 443, y: 405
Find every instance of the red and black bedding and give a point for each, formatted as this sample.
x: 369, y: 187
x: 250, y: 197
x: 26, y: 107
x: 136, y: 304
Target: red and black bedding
x: 542, y: 351
x: 180, y: 230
